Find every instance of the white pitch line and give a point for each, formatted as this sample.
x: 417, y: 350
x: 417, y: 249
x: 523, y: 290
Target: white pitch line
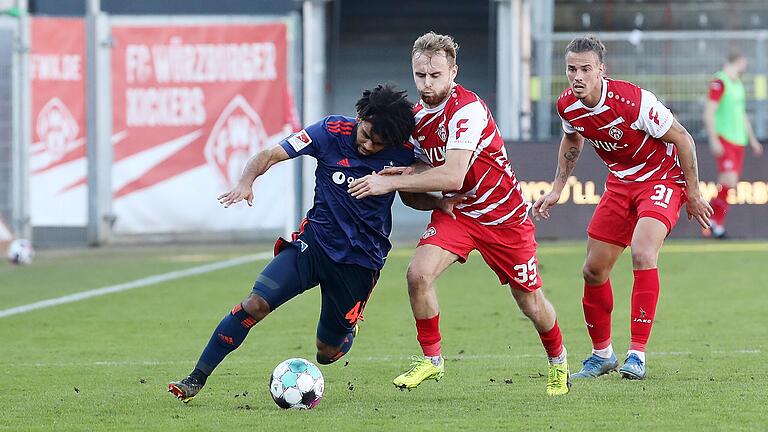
x: 138, y: 283
x: 476, y: 357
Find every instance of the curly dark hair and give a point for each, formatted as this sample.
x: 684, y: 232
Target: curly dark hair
x: 390, y: 113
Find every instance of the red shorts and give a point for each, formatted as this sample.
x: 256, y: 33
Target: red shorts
x: 732, y: 158
x: 623, y: 204
x: 509, y: 250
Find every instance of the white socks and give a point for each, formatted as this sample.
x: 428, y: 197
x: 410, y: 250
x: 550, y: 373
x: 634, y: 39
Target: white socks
x: 559, y: 359
x: 640, y: 354
x: 605, y: 353
x: 436, y: 360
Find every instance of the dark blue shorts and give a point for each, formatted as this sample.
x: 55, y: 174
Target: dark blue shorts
x: 300, y: 265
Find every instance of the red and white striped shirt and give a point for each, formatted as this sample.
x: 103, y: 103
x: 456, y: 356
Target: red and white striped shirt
x: 625, y: 128
x: 464, y: 122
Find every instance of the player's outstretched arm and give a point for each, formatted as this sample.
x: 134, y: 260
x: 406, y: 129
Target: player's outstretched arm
x: 416, y: 168
x: 447, y: 177
x: 257, y: 165
x: 568, y: 155
x: 697, y: 206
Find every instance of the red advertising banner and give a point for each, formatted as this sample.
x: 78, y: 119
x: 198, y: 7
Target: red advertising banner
x: 191, y: 104
x: 58, y: 162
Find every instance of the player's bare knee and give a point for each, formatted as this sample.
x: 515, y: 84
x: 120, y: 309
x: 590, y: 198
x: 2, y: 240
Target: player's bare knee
x: 418, y: 280
x: 594, y: 275
x: 643, y: 258
x: 256, y: 307
x: 729, y: 179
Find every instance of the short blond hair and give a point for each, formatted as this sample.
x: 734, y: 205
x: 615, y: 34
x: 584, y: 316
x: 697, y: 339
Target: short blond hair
x: 433, y: 43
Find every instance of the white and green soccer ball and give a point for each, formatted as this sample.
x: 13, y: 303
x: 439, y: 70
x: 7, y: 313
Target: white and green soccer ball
x: 296, y: 384
x: 20, y: 252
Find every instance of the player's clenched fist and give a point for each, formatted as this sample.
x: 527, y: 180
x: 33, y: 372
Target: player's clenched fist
x: 237, y: 194
x: 542, y: 205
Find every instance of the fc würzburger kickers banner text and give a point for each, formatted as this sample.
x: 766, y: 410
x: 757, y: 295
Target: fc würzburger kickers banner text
x: 57, y: 156
x: 191, y: 105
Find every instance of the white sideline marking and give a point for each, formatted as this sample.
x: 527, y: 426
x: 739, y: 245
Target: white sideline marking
x: 138, y: 283
x: 448, y: 358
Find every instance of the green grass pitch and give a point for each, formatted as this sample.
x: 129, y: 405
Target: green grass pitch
x: 104, y: 363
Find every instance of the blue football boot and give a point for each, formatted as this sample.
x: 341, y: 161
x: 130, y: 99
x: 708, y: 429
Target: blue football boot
x: 633, y: 368
x: 595, y: 366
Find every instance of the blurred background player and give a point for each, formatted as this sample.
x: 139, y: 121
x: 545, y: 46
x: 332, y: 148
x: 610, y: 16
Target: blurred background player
x: 729, y: 131
x: 342, y: 243
x: 461, y: 154
x: 652, y: 166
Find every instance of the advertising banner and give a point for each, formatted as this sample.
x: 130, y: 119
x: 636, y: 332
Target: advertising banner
x: 58, y: 164
x: 191, y: 104
x: 535, y: 165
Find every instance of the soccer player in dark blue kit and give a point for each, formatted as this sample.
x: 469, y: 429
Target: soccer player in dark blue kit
x: 341, y: 244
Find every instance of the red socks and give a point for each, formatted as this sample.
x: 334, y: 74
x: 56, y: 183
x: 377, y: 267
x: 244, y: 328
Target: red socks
x: 598, y: 305
x: 720, y: 205
x: 428, y: 335
x: 645, y: 295
x: 552, y: 341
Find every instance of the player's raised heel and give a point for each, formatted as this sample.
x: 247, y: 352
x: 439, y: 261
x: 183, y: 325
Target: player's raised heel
x: 422, y: 369
x: 595, y: 366
x: 186, y: 389
x: 633, y: 368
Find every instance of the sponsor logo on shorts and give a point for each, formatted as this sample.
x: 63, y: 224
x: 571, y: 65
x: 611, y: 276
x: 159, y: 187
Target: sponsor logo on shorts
x: 429, y: 233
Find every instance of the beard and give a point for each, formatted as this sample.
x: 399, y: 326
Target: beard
x: 434, y: 97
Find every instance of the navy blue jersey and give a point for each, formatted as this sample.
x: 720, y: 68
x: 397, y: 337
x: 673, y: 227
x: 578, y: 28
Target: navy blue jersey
x: 349, y: 230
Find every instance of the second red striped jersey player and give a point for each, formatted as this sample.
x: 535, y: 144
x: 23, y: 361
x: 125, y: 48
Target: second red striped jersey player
x: 625, y: 128
x: 652, y: 166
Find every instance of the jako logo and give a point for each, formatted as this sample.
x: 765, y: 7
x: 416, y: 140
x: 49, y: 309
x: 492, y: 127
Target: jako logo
x: 237, y: 134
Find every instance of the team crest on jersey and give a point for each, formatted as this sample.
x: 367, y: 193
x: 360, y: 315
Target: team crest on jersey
x: 615, y: 133
x: 442, y: 133
x: 429, y: 233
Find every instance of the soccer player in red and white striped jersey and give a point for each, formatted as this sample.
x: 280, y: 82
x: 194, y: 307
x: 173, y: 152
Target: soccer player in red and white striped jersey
x: 462, y: 155
x: 652, y: 167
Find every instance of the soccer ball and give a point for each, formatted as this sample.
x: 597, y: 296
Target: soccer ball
x: 297, y: 384
x: 20, y: 252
